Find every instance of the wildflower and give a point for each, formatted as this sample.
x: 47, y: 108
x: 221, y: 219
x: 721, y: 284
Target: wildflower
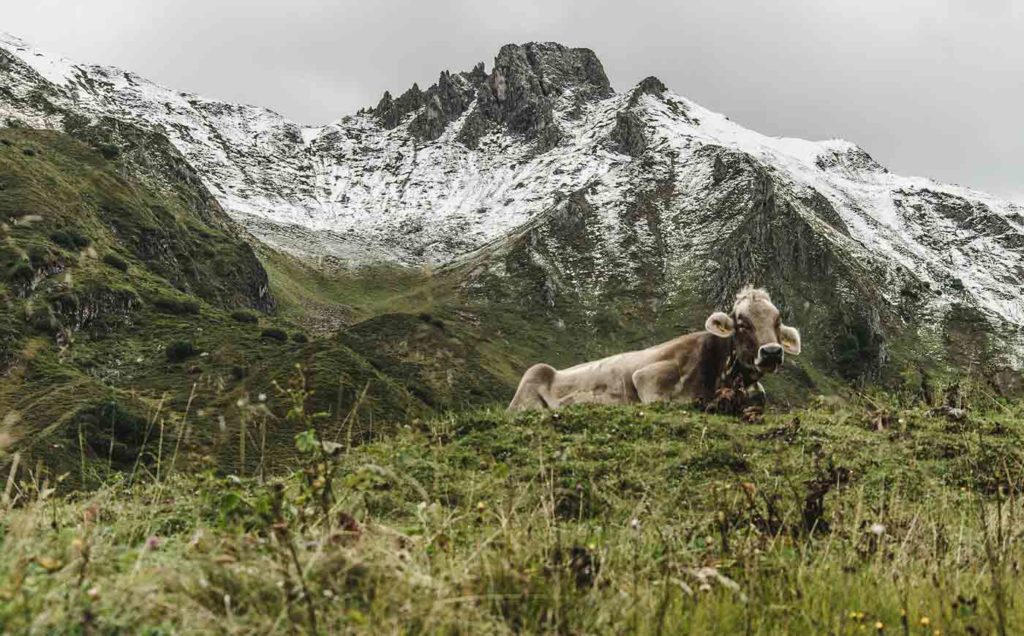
x: 481, y: 506
x: 93, y: 592
x: 877, y: 529
x: 925, y: 621
x: 879, y: 625
x: 263, y: 397
x: 153, y: 542
x: 635, y: 524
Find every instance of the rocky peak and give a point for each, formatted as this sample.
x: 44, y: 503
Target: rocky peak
x: 519, y: 94
x: 521, y: 91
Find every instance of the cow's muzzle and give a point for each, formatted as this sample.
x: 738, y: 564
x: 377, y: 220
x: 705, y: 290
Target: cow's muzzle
x: 769, y: 357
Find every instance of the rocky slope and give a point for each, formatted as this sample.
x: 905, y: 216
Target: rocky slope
x: 536, y: 182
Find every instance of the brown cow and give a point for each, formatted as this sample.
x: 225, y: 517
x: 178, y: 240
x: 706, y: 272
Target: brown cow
x: 736, y: 348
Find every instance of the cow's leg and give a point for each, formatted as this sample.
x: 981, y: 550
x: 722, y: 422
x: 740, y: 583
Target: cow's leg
x: 656, y: 382
x: 534, y: 392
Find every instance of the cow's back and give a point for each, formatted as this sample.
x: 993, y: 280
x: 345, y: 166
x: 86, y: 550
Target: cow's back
x: 605, y: 381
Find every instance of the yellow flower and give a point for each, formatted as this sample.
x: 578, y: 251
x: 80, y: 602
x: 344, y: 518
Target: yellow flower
x: 879, y: 625
x: 925, y: 621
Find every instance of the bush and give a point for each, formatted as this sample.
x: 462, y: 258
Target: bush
x: 431, y: 320
x: 43, y: 319
x: 180, y: 350
x: 298, y: 336
x: 178, y: 306
x: 70, y: 239
x: 109, y: 151
x: 244, y: 315
x: 20, y: 271
x: 115, y: 261
x: 273, y: 333
x: 29, y: 152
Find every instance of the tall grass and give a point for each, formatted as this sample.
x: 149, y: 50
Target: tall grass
x: 654, y: 521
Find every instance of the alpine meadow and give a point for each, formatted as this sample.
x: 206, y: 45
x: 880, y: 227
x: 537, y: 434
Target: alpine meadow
x: 513, y: 353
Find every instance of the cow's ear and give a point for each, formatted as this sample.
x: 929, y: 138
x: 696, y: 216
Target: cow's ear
x: 790, y: 340
x: 720, y: 325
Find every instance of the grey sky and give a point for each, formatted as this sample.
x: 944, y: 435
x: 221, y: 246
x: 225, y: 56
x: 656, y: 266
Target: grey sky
x: 933, y: 88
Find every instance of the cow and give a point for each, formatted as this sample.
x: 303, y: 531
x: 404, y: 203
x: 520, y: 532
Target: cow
x: 735, y: 349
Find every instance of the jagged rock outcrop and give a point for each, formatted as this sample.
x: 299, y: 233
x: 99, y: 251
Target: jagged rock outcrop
x: 521, y: 90
x: 628, y: 135
x: 443, y: 103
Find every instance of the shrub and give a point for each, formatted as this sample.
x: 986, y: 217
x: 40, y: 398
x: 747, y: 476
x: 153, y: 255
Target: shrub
x: 20, y: 271
x: 178, y: 306
x: 298, y: 336
x: 29, y: 152
x: 70, y: 238
x: 273, y: 333
x: 180, y: 350
x: 43, y: 319
x: 244, y: 315
x: 431, y: 320
x: 115, y: 261
x: 109, y: 151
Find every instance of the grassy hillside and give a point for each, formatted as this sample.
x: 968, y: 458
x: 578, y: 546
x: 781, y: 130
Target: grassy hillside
x: 867, y: 517
x: 128, y: 305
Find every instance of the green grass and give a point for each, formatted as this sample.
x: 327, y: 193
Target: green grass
x: 588, y: 520
x: 325, y: 299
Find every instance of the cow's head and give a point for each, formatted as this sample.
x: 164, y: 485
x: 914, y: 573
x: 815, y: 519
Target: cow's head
x: 760, y: 339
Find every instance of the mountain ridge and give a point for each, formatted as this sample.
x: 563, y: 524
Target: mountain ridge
x: 679, y: 198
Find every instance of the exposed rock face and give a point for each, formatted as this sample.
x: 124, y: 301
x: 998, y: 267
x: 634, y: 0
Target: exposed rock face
x: 628, y: 135
x: 443, y: 103
x: 521, y: 90
x: 648, y: 86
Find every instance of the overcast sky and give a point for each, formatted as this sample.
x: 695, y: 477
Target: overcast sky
x: 933, y: 88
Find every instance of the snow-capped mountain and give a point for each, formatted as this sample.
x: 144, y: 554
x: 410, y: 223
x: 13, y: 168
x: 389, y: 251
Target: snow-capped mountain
x: 541, y: 149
